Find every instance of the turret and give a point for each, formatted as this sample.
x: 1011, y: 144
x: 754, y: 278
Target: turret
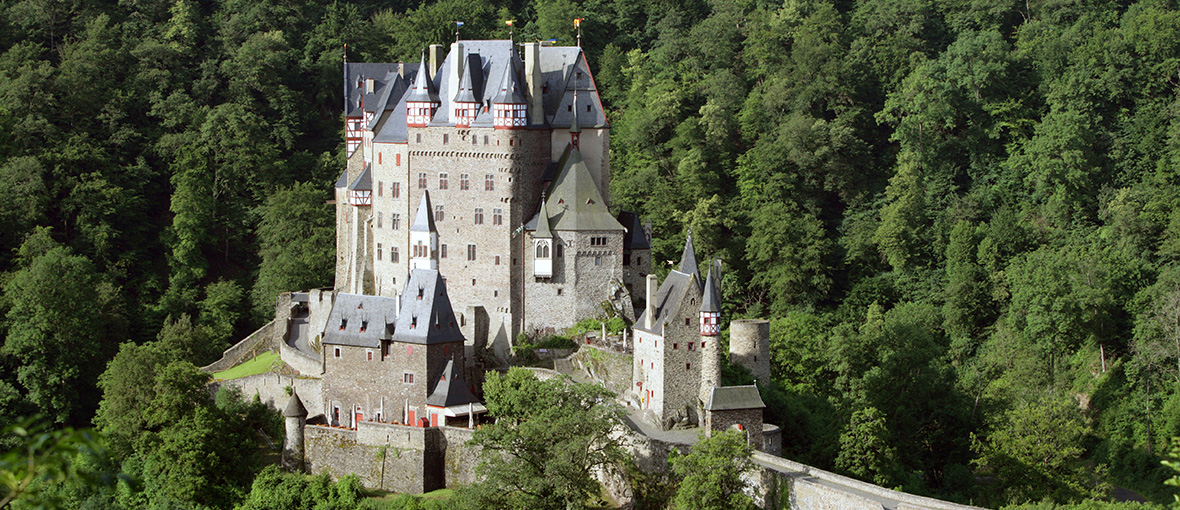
x: 466, y: 100
x: 710, y: 320
x: 423, y: 101
x: 688, y: 259
x: 424, y: 237
x: 509, y: 107
x: 295, y: 416
x: 543, y: 245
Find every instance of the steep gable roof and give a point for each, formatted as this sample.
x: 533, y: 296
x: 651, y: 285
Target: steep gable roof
x: 636, y: 238
x: 669, y: 299
x: 509, y: 91
x: 423, y: 90
x: 575, y: 203
x: 364, y: 181
x: 472, y: 84
x: 542, y: 221
x: 426, y: 314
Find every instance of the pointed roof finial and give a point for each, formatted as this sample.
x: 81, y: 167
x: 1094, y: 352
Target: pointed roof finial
x: 688, y: 260
x: 457, y: 25
x: 543, y: 230
x: 511, y: 44
x: 423, y: 91
x: 578, y: 26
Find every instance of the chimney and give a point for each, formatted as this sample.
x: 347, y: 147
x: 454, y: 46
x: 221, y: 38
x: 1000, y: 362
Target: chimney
x: 401, y: 69
x: 370, y: 85
x: 652, y: 285
x: 458, y: 58
x: 436, y: 58
x: 532, y: 77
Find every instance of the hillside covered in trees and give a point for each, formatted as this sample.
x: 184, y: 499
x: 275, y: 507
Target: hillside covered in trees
x: 963, y: 217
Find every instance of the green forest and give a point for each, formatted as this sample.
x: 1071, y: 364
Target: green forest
x: 962, y: 218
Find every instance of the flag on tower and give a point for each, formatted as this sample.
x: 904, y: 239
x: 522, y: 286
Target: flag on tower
x: 458, y: 23
x: 509, y: 22
x: 578, y: 22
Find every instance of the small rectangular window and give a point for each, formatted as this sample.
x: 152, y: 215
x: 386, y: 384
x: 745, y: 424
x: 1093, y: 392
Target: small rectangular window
x: 479, y: 216
x: 675, y: 345
x: 485, y: 139
x: 497, y: 260
x: 688, y: 366
x: 442, y: 180
x: 395, y: 189
x: 379, y: 220
x: 489, y: 183
x: 446, y: 139
x: 393, y: 256
x: 378, y: 251
x: 395, y: 221
x: 418, y: 138
x: 686, y: 321
x: 464, y: 182
x: 378, y: 158
x: 336, y: 352
x: 690, y: 344
x: 408, y: 378
x: 471, y: 252
x: 442, y: 251
x: 438, y: 213
x: 497, y: 216
x: 380, y: 189
x: 422, y: 180
x: 368, y: 354
x: 397, y: 160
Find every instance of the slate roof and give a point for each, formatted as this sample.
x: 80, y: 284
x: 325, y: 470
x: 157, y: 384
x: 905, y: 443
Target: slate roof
x: 728, y: 398
x: 342, y: 182
x: 354, y: 75
x: 364, y: 181
x: 426, y: 313
x: 574, y: 202
x: 424, y: 218
x: 710, y: 301
x: 669, y: 297
x: 451, y: 389
x: 542, y: 222
x: 487, y: 60
x: 360, y: 321
x: 636, y: 238
x: 688, y: 259
x: 295, y: 407
x: 510, y: 90
x: 424, y: 89
x: 472, y: 84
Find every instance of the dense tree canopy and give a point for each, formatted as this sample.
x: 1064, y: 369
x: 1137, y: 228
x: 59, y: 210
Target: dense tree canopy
x: 962, y: 217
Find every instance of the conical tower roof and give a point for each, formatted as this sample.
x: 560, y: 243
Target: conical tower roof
x: 710, y: 301
x: 295, y: 407
x: 424, y: 219
x: 688, y: 260
x: 467, y: 92
x: 423, y: 90
x: 509, y: 92
x: 576, y: 201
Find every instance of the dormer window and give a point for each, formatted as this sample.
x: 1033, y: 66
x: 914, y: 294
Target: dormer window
x: 343, y: 324
x: 413, y: 322
x: 420, y: 290
x: 364, y: 326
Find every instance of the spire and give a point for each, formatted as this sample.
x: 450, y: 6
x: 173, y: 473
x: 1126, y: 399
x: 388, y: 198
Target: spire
x: 710, y: 301
x: 575, y: 129
x: 424, y: 219
x: 466, y: 92
x: 509, y: 86
x: 688, y: 261
x: 423, y: 90
x: 543, y: 221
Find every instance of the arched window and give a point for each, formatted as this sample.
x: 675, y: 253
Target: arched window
x: 542, y: 250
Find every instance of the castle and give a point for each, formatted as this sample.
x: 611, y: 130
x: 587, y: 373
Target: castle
x: 511, y: 157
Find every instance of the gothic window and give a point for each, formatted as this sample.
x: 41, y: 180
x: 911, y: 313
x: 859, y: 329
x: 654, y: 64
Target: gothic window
x: 422, y: 180
x: 442, y: 180
x: 489, y: 183
x: 438, y: 212
x: 479, y: 216
x: 557, y: 250
x: 464, y: 182
x: 542, y: 250
x: 497, y: 216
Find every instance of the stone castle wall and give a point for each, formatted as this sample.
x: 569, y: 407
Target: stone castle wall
x: 749, y: 346
x: 271, y: 389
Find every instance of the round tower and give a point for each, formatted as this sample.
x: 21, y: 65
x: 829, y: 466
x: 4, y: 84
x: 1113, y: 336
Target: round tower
x: 296, y: 417
x: 710, y: 329
x: 749, y: 346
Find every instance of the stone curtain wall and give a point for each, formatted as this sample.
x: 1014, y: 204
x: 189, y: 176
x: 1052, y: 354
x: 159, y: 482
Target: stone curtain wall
x: 271, y: 389
x: 393, y: 457
x: 264, y: 339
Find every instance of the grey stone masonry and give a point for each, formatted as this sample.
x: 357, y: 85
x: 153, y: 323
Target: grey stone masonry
x: 749, y: 346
